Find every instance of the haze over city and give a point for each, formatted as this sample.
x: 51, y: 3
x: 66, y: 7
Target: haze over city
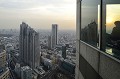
x: 39, y: 14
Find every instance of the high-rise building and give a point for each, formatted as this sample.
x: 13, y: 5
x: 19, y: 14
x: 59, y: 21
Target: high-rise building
x: 23, y: 41
x: 29, y: 46
x: 49, y: 42
x: 54, y: 35
x: 64, y: 52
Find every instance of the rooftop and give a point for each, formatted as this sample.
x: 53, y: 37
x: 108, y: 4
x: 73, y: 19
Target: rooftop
x: 3, y: 70
x: 2, y: 47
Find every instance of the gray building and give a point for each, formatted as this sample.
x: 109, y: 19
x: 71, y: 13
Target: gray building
x: 97, y: 58
x: 64, y: 51
x: 49, y: 42
x: 26, y: 72
x: 54, y: 35
x: 29, y: 46
x: 4, y: 70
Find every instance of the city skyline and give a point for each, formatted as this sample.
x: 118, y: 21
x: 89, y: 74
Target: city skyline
x: 38, y: 13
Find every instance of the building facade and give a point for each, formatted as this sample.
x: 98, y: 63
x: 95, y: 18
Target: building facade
x: 5, y: 74
x: 64, y: 51
x: 4, y: 71
x: 29, y: 46
x: 49, y: 42
x: 98, y: 39
x: 54, y: 35
x: 3, y: 59
x: 26, y: 72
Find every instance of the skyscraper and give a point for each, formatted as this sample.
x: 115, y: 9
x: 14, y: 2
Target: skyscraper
x: 54, y: 35
x: 29, y: 46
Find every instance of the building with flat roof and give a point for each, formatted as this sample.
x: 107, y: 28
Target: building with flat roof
x: 64, y: 51
x: 26, y: 72
x: 29, y: 46
x: 4, y: 73
x: 49, y: 42
x: 3, y: 59
x: 54, y: 35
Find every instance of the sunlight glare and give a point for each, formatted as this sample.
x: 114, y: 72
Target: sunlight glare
x: 109, y: 20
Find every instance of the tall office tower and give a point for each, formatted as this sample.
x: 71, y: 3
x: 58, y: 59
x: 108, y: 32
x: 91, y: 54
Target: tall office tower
x: 49, y: 42
x: 36, y: 50
x: 29, y: 46
x: 64, y: 52
x: 23, y: 41
x: 54, y: 35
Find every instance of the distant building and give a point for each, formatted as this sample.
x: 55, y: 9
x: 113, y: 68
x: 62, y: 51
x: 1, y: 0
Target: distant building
x: 54, y: 35
x: 4, y: 71
x: 29, y: 46
x: 26, y: 72
x: 5, y: 74
x: 3, y: 59
x: 64, y: 52
x: 68, y: 66
x: 49, y: 42
x: 18, y: 70
x: 89, y: 33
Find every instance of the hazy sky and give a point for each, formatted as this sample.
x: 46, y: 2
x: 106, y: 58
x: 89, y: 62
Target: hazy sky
x: 39, y: 14
x: 112, y: 16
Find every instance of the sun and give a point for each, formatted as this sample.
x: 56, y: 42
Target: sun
x: 109, y: 20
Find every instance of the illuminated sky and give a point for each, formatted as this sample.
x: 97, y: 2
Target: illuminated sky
x: 113, y: 14
x: 39, y: 14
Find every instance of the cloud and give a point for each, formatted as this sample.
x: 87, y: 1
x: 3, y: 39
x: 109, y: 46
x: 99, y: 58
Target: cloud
x: 38, y: 13
x: 24, y: 4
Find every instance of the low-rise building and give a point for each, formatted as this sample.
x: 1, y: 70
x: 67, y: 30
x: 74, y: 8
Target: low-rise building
x: 4, y: 73
x: 26, y: 72
x: 2, y: 59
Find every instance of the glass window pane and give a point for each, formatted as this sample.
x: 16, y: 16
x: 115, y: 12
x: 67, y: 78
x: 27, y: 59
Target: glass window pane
x: 112, y: 27
x: 90, y: 18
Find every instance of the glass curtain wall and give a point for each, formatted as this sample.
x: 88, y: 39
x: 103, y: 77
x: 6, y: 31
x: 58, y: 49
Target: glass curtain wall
x: 90, y: 22
x: 109, y: 27
x: 111, y: 24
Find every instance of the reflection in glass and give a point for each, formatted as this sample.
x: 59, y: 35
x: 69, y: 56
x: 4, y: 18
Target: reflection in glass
x: 113, y: 29
x: 90, y: 21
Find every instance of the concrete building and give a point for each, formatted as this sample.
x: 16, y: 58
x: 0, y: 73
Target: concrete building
x: 29, y: 46
x: 49, y: 42
x: 23, y: 41
x: 5, y: 74
x: 54, y: 35
x: 64, y: 52
x: 4, y: 71
x: 26, y: 72
x: 3, y: 59
x: 101, y: 60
